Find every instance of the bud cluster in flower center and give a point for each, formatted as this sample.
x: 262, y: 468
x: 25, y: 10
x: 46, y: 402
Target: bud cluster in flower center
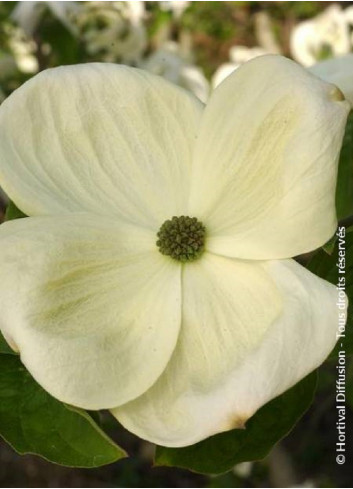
x: 182, y: 238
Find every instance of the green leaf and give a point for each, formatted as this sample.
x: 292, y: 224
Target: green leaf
x: 325, y: 266
x: 344, y: 191
x: 329, y: 247
x: 271, y: 423
x: 12, y: 212
x: 32, y: 421
x: 4, y: 347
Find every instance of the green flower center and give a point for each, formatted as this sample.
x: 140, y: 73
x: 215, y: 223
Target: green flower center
x: 182, y: 238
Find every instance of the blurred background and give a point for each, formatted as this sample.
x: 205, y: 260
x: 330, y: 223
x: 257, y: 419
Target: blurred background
x: 195, y: 45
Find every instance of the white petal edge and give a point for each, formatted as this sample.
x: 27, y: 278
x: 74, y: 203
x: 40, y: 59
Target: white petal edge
x: 179, y: 410
x: 101, y: 138
x: 338, y: 71
x: 265, y: 165
x: 90, y: 304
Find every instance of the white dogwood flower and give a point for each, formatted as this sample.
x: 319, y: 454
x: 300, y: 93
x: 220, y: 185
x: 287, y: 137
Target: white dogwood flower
x: 154, y: 277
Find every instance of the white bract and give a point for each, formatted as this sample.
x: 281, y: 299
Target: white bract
x: 238, y: 55
x: 101, y: 156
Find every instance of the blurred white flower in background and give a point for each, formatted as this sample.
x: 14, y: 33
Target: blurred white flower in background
x: 22, y: 49
x: 338, y: 71
x: 177, y: 7
x: 243, y: 469
x: 265, y: 33
x: 114, y: 30
x: 321, y: 37
x: 169, y: 63
x: 348, y: 13
x: 28, y: 14
x: 237, y: 55
x: 307, y: 483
